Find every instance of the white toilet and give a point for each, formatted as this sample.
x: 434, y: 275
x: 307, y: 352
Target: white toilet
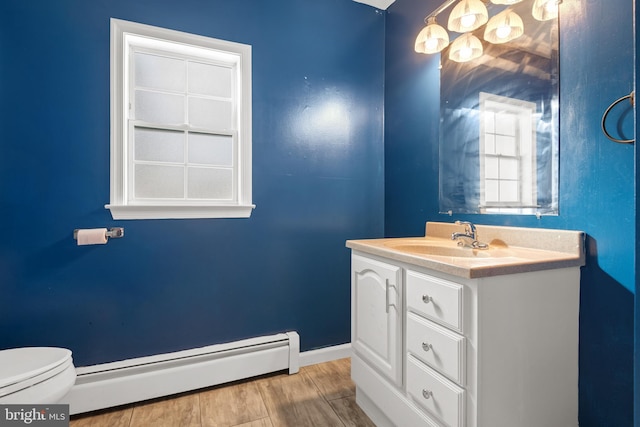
x: 35, y: 375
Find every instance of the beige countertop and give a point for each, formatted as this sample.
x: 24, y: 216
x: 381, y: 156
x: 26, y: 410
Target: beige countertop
x: 511, y: 250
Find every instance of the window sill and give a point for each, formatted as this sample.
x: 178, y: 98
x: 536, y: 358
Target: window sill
x: 179, y: 212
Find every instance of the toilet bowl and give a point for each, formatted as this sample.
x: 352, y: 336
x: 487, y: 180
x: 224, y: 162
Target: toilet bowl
x: 35, y: 375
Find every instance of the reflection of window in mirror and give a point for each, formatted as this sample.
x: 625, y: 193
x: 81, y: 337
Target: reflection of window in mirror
x: 507, y: 154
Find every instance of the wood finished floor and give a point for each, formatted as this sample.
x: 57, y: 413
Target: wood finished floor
x: 320, y: 395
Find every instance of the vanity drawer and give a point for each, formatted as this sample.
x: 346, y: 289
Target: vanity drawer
x: 436, y: 346
x: 435, y: 299
x: 436, y: 394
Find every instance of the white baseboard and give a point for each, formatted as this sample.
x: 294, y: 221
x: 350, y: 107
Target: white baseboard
x: 326, y: 354
x: 134, y: 380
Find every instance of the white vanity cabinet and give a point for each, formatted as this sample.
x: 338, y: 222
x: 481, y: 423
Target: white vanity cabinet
x: 434, y: 349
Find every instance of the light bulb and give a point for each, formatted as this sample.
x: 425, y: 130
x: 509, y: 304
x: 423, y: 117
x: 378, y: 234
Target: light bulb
x: 465, y: 53
x: 431, y: 44
x: 504, y: 27
x: 467, y: 21
x: 467, y: 15
x: 503, y: 32
x: 432, y: 38
x: 544, y: 10
x: 465, y: 48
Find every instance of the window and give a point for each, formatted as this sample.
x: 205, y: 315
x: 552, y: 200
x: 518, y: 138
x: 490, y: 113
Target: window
x: 180, y: 125
x: 507, y: 154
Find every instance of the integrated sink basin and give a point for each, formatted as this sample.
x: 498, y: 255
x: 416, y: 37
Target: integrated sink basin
x: 441, y: 249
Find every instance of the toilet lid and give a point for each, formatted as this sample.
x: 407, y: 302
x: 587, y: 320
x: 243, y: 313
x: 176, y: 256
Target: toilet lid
x: 20, y: 364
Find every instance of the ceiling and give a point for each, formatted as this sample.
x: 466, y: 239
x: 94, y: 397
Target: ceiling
x: 380, y: 4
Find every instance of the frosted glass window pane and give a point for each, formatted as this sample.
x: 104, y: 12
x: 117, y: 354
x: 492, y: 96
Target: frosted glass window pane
x: 509, y: 169
x: 159, y: 145
x: 156, y: 107
x: 491, y: 191
x: 489, y: 120
x: 158, y: 72
x: 211, y: 149
x: 210, y: 114
x: 491, y: 168
x: 158, y: 181
x: 210, y: 183
x: 490, y: 144
x: 207, y: 79
x: 506, y: 145
x: 508, y: 191
x: 506, y: 124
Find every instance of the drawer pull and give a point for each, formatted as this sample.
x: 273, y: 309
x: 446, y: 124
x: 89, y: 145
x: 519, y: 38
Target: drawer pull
x: 426, y: 299
x: 426, y: 346
x: 427, y: 394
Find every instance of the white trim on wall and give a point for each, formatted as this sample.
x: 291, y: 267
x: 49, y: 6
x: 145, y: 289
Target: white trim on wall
x: 326, y: 354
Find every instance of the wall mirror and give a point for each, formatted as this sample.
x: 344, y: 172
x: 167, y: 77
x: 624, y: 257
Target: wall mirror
x: 498, y: 150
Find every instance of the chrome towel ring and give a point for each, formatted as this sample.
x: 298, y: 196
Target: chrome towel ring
x: 631, y: 97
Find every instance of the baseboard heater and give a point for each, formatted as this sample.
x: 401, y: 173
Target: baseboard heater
x: 133, y: 380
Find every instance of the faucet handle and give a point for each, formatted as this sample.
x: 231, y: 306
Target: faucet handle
x: 469, y: 227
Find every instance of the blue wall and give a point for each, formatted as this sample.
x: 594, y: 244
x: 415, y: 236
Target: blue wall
x: 596, y: 177
x: 168, y: 285
x: 320, y: 177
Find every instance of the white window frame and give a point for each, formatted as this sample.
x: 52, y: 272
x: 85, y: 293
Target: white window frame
x: 525, y: 112
x: 126, y: 36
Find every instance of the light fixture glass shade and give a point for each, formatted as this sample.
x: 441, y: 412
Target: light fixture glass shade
x: 433, y: 38
x: 465, y: 48
x: 504, y: 27
x: 467, y: 15
x: 505, y: 1
x: 544, y: 10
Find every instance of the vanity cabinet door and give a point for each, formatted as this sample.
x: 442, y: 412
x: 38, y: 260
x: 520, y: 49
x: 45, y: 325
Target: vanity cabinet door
x: 376, y: 334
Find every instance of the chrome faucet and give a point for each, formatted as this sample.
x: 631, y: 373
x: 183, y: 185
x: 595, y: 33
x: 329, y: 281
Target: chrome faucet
x: 468, y: 234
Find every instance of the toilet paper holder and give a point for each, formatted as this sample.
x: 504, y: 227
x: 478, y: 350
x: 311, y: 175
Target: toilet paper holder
x: 114, y: 233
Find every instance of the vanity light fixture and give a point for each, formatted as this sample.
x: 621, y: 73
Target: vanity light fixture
x: 465, y: 48
x: 468, y: 15
x: 504, y: 27
x: 433, y: 38
x: 544, y: 10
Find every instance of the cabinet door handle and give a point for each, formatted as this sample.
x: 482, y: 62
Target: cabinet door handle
x: 426, y: 346
x: 427, y: 394
x: 426, y: 299
x: 386, y: 296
